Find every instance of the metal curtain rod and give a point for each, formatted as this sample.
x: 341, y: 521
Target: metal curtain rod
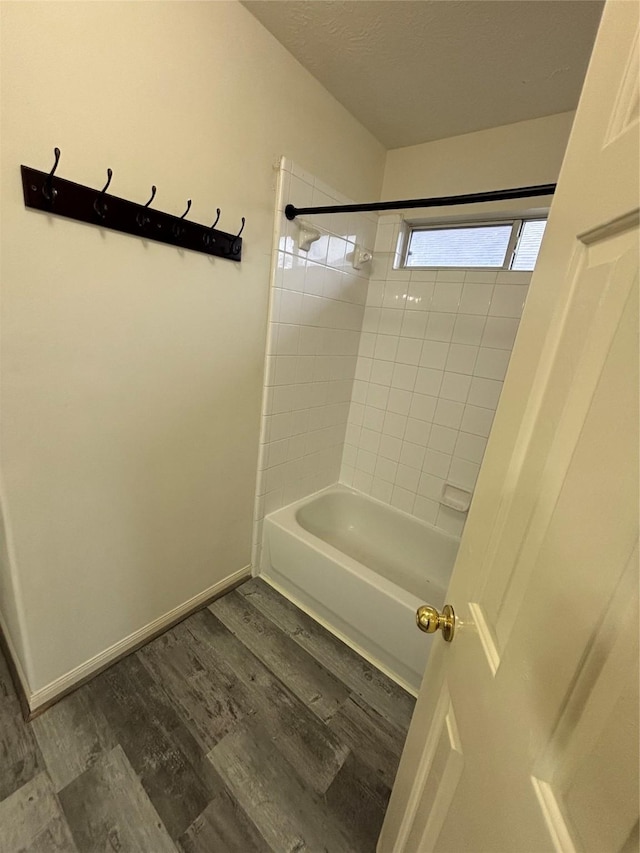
x: 291, y: 211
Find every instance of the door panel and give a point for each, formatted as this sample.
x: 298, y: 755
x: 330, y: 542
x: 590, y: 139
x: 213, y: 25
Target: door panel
x: 525, y: 734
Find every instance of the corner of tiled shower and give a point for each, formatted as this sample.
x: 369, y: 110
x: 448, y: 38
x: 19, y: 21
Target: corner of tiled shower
x: 383, y: 379
x: 317, y: 301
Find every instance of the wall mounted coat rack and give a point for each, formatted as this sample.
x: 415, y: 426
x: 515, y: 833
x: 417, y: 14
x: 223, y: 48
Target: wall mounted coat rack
x: 45, y: 191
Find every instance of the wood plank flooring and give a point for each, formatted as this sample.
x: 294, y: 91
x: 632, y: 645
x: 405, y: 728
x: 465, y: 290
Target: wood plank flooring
x: 247, y: 727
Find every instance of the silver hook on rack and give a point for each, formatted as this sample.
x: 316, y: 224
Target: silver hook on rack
x: 141, y: 219
x: 47, y: 188
x: 208, y: 238
x: 177, y: 230
x: 102, y: 209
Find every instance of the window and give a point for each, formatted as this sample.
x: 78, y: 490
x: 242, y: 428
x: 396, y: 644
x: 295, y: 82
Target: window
x: 512, y: 245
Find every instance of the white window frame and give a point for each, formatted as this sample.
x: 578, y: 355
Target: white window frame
x: 408, y: 227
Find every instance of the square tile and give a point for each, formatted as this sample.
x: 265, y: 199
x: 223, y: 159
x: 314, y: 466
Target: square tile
x: 492, y: 363
x: 371, y: 320
x: 394, y: 424
x: 390, y: 447
x: 428, y: 381
x: 420, y: 295
x: 381, y: 489
x: 462, y: 358
x: 404, y: 376
x: 386, y: 469
x: 390, y: 321
x: 402, y: 499
x: 440, y: 326
x: 409, y: 350
x: 377, y: 395
x: 443, y: 438
x: 468, y: 329
x: 436, y: 463
x: 430, y: 486
x: 470, y: 447
x: 455, y: 386
x: 362, y: 481
x: 367, y: 344
x: 349, y: 455
x: 448, y: 413
x: 508, y: 300
x: 412, y: 454
x: 363, y: 369
x: 366, y: 461
x: 484, y: 392
x: 417, y: 431
x: 395, y: 294
x: 399, y: 401
x: 291, y: 307
x: 407, y: 477
x: 423, y: 407
x: 375, y: 294
x: 373, y: 418
x: 447, y: 295
x: 476, y: 298
x: 381, y: 372
x: 500, y: 332
x: 477, y: 420
x: 414, y: 324
x: 386, y: 347
x: 463, y: 473
x: 434, y: 354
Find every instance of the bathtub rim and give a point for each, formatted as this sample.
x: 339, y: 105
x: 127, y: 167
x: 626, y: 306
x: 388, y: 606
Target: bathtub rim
x: 286, y: 518
x: 322, y: 610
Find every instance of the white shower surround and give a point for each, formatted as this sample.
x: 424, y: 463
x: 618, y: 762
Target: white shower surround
x: 316, y: 309
x: 433, y: 354
x: 388, y: 386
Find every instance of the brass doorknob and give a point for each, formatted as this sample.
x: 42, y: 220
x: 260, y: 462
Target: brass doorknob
x: 429, y: 620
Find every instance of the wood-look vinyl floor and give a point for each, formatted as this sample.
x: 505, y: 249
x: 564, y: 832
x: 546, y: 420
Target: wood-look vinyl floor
x: 247, y: 727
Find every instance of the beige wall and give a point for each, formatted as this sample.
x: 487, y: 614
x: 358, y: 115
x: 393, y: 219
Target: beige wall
x: 131, y: 371
x: 522, y: 154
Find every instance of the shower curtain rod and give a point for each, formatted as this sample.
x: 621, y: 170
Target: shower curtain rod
x: 291, y: 211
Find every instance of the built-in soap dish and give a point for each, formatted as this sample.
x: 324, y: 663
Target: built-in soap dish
x: 455, y: 497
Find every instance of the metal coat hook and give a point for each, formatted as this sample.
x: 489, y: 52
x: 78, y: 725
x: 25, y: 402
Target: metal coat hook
x: 208, y: 238
x: 141, y: 219
x: 47, y: 188
x: 102, y: 209
x: 234, y: 243
x: 177, y: 230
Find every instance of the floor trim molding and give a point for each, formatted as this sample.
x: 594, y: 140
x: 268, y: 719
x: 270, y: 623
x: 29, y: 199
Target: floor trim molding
x: 38, y: 701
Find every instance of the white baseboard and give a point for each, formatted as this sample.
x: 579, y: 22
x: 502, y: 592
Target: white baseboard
x: 55, y: 689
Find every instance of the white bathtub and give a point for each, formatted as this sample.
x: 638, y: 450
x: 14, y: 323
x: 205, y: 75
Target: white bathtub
x: 362, y: 568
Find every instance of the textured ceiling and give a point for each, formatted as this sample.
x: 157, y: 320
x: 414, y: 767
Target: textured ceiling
x: 416, y: 70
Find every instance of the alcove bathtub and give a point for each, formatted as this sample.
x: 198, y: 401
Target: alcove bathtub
x: 361, y: 568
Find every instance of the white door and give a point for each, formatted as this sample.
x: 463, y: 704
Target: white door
x: 525, y: 733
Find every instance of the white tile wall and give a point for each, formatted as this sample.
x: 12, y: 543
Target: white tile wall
x: 316, y: 311
x: 434, y: 350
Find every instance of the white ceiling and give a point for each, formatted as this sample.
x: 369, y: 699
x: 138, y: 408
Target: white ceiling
x: 416, y: 70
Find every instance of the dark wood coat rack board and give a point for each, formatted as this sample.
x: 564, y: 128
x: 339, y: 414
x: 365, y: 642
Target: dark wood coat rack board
x: 47, y: 192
